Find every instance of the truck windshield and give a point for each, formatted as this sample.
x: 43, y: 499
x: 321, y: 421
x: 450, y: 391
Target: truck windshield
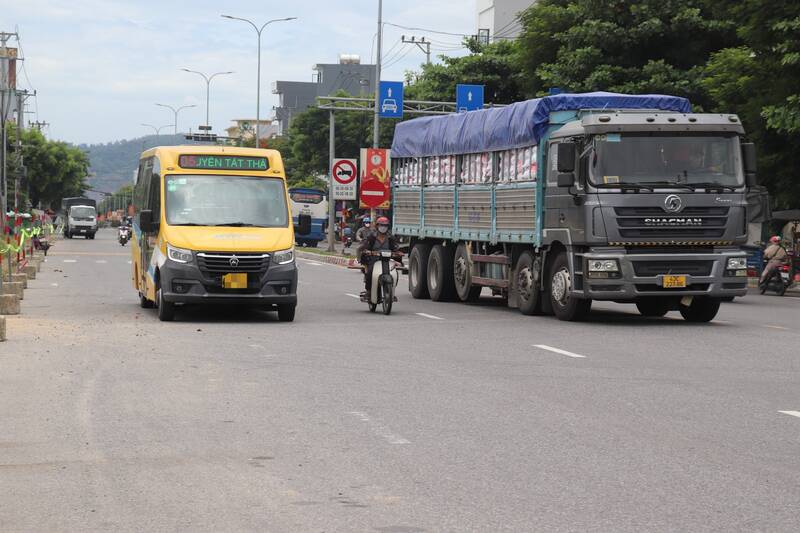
x: 215, y: 200
x: 81, y: 212
x: 664, y: 159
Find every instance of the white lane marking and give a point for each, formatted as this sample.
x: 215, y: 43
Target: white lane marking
x: 54, y: 284
x: 432, y: 317
x: 721, y: 321
x: 315, y: 263
x: 774, y: 327
x: 256, y: 346
x: 70, y: 260
x: 559, y: 351
x: 101, y: 261
x: 791, y: 413
x: 379, y: 429
x: 356, y: 296
x: 129, y: 262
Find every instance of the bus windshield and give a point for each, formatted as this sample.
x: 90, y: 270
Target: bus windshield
x: 215, y: 200
x: 665, y: 159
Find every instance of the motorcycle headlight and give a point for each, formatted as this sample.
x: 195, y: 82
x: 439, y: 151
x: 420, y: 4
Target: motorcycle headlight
x: 283, y: 257
x: 737, y: 263
x: 179, y: 255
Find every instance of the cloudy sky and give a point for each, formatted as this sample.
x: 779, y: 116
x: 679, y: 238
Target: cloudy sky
x: 99, y: 66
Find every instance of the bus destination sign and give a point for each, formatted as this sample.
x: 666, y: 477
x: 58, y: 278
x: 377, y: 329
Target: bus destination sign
x: 223, y: 162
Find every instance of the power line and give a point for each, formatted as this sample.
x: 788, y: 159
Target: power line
x: 428, y: 30
x: 408, y: 51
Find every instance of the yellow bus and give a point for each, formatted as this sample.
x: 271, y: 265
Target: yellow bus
x: 212, y: 225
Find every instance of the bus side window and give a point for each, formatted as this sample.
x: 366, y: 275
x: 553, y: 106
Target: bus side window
x: 154, y: 200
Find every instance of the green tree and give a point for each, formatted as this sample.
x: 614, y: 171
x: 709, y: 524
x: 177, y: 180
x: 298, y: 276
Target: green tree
x: 495, y: 66
x: 54, y: 169
x: 759, y: 79
x: 648, y: 46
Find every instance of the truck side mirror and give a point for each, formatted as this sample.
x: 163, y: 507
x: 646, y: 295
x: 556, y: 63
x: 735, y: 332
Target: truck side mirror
x: 146, y: 222
x: 750, y: 164
x: 303, y: 226
x: 566, y: 157
x: 566, y: 179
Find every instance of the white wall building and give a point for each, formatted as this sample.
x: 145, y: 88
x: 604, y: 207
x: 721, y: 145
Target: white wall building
x: 497, y: 19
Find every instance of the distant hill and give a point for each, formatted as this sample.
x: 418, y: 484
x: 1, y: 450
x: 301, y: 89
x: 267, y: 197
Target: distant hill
x: 112, y: 164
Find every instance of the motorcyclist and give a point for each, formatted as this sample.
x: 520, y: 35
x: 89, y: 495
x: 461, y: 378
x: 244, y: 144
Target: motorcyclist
x: 378, y: 240
x: 364, y: 230
x: 775, y: 255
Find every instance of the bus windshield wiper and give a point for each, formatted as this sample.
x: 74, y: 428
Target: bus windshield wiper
x: 236, y: 224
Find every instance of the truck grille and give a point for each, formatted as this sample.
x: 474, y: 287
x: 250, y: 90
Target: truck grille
x: 655, y: 223
x: 224, y: 263
x: 656, y: 268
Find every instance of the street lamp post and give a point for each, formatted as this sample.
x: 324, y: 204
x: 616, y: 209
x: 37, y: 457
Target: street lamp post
x: 258, y: 81
x: 157, y: 130
x: 175, y: 111
x: 208, y: 84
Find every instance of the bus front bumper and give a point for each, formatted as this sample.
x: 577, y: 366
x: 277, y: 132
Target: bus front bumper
x: 187, y: 284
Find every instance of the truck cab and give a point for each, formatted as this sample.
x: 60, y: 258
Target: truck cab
x: 80, y: 220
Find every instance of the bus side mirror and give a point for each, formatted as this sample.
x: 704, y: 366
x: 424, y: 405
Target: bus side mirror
x: 750, y: 165
x: 303, y: 226
x: 566, y: 157
x: 146, y: 222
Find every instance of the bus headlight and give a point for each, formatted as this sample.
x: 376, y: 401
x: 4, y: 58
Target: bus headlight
x: 179, y: 255
x: 284, y: 257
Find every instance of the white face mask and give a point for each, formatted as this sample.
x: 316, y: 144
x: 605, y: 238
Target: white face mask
x: 383, y: 229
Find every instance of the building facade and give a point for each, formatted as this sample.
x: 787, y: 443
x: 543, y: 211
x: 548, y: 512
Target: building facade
x: 499, y: 19
x: 347, y: 75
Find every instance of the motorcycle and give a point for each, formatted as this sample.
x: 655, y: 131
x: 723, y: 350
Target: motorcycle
x: 777, y: 281
x: 124, y: 235
x: 384, y: 280
x: 348, y: 242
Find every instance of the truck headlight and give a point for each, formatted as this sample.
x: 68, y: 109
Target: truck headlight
x: 737, y: 263
x: 179, y: 255
x: 602, y: 268
x: 284, y: 257
x: 603, y: 265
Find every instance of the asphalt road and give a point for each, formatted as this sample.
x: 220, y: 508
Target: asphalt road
x: 441, y: 417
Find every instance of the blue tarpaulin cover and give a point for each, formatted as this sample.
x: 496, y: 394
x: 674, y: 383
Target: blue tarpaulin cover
x: 517, y: 125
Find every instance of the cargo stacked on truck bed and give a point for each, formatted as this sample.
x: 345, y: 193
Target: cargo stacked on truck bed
x: 558, y: 201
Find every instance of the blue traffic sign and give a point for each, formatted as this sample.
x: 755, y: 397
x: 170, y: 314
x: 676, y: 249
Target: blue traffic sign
x: 469, y: 97
x: 390, y: 99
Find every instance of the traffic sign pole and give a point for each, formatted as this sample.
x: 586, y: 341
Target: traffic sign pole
x: 331, y: 201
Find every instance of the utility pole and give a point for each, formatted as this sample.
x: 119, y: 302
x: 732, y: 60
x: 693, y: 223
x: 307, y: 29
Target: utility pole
x: 422, y: 44
x: 376, y: 119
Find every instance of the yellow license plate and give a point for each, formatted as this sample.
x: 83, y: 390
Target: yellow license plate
x: 673, y: 282
x: 234, y: 281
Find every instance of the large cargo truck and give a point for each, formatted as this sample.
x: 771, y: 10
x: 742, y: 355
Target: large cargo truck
x: 555, y: 202
x: 80, y: 217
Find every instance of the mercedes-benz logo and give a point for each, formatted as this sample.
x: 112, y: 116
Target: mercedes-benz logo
x: 673, y: 203
x: 234, y: 262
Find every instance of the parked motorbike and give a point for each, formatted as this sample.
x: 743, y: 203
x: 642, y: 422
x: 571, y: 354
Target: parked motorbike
x: 41, y: 243
x: 777, y: 281
x: 384, y: 280
x: 348, y: 242
x: 124, y: 235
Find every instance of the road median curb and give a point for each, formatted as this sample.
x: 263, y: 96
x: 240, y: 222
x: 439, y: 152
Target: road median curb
x: 322, y: 258
x: 9, y: 304
x: 2, y: 328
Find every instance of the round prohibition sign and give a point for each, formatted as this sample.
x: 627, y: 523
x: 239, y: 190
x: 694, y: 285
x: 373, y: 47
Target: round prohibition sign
x: 344, y: 171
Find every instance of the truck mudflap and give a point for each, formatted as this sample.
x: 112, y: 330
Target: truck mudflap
x: 669, y: 274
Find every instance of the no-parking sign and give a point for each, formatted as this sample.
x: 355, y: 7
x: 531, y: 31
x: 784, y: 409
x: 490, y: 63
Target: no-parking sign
x: 345, y: 184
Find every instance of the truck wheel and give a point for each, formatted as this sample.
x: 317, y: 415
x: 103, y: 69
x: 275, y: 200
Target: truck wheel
x: 418, y: 271
x: 565, y: 306
x: 286, y: 312
x: 166, y: 310
x: 462, y: 276
x: 440, y: 274
x: 655, y: 307
x: 528, y: 294
x: 702, y: 309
